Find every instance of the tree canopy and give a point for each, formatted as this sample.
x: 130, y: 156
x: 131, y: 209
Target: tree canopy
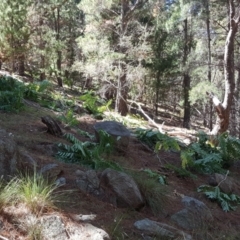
x: 161, y: 53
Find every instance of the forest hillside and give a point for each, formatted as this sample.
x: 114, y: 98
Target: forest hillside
x: 119, y: 119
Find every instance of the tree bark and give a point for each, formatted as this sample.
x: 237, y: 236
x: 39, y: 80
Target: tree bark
x: 209, y: 61
x: 59, y: 53
x: 186, y: 78
x: 223, y: 109
x: 21, y: 65
x: 127, y: 11
x: 186, y: 88
x: 122, y: 92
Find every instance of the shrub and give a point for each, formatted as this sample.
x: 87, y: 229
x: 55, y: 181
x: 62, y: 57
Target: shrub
x: 87, y: 153
x: 33, y: 191
x: 11, y: 94
x: 156, y: 140
x: 33, y: 91
x: 207, y: 156
x: 225, y: 200
x: 94, y: 104
x: 69, y: 118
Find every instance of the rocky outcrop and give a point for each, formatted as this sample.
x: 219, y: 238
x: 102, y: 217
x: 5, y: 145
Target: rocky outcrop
x: 9, y: 157
x: 88, y: 182
x: 195, y: 216
x: 111, y: 186
x: 155, y: 229
x: 53, y: 228
x: 119, y: 133
x: 124, y: 190
x: 226, y: 184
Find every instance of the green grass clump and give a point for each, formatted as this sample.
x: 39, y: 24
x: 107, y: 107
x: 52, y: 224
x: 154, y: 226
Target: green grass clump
x: 153, y: 192
x: 35, y: 192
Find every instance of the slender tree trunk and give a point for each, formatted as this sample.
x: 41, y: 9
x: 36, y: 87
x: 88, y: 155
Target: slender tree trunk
x: 186, y: 79
x: 157, y: 94
x: 237, y: 114
x: 21, y: 65
x: 209, y: 62
x: 127, y: 11
x: 59, y: 53
x: 41, y: 43
x: 122, y: 92
x: 186, y: 88
x: 223, y: 109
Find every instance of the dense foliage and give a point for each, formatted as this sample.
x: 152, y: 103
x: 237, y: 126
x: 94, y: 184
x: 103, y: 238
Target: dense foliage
x: 88, y: 153
x: 160, y: 52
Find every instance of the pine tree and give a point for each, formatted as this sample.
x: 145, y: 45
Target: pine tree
x: 14, y: 32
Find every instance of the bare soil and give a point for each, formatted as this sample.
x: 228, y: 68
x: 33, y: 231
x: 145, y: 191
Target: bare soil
x: 31, y: 135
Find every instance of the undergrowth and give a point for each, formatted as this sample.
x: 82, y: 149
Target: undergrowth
x: 94, y: 104
x: 156, y: 140
x: 153, y: 192
x: 88, y: 153
x: 205, y: 157
x: 11, y: 94
x: 226, y: 201
x: 33, y: 191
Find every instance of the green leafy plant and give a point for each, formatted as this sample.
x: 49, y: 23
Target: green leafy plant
x: 85, y: 134
x: 207, y: 156
x: 156, y: 140
x: 94, y: 105
x: 69, y: 118
x: 87, y: 153
x: 33, y: 91
x: 158, y: 177
x: 226, y: 201
x: 180, y: 172
x: 11, y: 94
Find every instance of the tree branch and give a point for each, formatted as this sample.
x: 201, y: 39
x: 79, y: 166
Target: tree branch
x: 149, y: 119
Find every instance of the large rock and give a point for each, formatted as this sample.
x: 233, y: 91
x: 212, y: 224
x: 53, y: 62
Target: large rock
x: 226, y: 184
x: 88, y: 182
x: 119, y: 133
x: 195, y: 216
x: 9, y: 155
x: 161, y: 230
x: 54, y: 228
x: 124, y: 191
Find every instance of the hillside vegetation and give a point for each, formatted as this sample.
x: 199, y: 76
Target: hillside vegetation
x: 167, y: 163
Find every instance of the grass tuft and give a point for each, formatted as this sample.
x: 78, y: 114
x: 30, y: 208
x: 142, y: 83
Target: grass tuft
x: 35, y: 192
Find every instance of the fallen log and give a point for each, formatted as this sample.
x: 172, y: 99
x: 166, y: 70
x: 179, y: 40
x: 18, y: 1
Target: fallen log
x: 53, y: 127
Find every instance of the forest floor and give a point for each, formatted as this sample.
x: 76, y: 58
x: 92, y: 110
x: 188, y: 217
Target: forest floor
x: 31, y: 135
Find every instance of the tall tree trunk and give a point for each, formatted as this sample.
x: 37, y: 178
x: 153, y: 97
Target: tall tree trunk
x: 186, y: 78
x: 42, y: 42
x: 186, y: 88
x: 59, y: 53
x: 223, y: 109
x: 237, y: 114
x: 209, y: 61
x: 157, y: 94
x: 122, y: 89
x: 122, y: 92
x: 127, y: 11
x: 21, y: 65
